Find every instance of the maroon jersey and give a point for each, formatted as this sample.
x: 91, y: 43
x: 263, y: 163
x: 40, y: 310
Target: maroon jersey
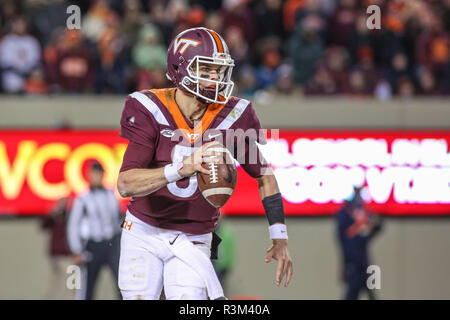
x: 159, y: 134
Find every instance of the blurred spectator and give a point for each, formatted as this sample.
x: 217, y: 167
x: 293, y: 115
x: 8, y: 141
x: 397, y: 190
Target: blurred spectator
x: 50, y: 57
x: 20, y: 53
x: 9, y: 11
x: 121, y: 58
x: 59, y: 254
x: 405, y: 87
x: 46, y: 16
x: 150, y: 56
x: 304, y: 49
x: 70, y: 64
x: 149, y: 52
x: 214, y: 21
x: 289, y: 9
x: 174, y: 12
x: 446, y: 15
x: 311, y: 13
x: 433, y: 47
x: 356, y: 227
x: 195, y: 17
x: 383, y: 90
x: 337, y: 61
x: 266, y: 74
x: 329, y: 6
x: 358, y: 85
x: 96, y: 20
x: 360, y: 44
x: 342, y: 22
x: 159, y: 17
x: 133, y: 18
x: 237, y: 13
x: 391, y: 39
x: 366, y: 64
x: 285, y: 82
x: 269, y: 16
x: 112, y: 53
x: 322, y: 83
x: 427, y: 81
x: 247, y: 82
x: 36, y: 84
x: 399, y: 68
x: 238, y: 47
x: 209, y: 5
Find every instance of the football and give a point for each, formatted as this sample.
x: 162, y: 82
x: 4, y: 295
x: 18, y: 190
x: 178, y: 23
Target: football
x: 218, y: 186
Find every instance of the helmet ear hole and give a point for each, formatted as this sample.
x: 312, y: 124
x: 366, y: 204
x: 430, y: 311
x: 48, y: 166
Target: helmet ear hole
x: 175, y: 67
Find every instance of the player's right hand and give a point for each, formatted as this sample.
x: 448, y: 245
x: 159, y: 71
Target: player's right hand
x: 193, y: 163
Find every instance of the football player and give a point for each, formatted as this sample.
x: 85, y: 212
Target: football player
x: 167, y: 238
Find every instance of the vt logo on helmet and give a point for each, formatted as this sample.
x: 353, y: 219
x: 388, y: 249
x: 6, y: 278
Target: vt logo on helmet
x: 188, y: 52
x: 185, y: 44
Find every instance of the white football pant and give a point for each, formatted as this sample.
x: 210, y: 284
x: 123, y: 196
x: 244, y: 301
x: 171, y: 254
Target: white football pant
x: 151, y: 258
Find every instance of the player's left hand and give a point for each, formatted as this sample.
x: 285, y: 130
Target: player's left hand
x: 279, y: 252
x: 79, y: 259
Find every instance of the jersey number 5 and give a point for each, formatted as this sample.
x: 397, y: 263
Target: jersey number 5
x: 179, y: 152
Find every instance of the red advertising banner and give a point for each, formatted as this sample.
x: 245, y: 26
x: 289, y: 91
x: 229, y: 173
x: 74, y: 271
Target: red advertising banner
x: 401, y: 172
x: 37, y: 167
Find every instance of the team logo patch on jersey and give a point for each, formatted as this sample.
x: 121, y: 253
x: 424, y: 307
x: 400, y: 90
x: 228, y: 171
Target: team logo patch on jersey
x: 167, y: 133
x: 235, y: 114
x: 193, y: 136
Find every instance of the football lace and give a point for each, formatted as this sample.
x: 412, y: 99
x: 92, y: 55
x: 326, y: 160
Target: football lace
x: 213, y: 176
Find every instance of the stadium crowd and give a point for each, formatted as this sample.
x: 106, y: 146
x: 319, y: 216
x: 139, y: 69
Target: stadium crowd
x: 317, y: 47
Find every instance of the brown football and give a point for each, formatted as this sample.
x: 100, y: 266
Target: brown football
x: 218, y: 186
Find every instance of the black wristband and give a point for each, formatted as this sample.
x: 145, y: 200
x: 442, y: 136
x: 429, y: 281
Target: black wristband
x: 273, y: 206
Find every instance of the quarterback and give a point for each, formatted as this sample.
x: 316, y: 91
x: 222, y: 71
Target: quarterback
x: 168, y: 234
